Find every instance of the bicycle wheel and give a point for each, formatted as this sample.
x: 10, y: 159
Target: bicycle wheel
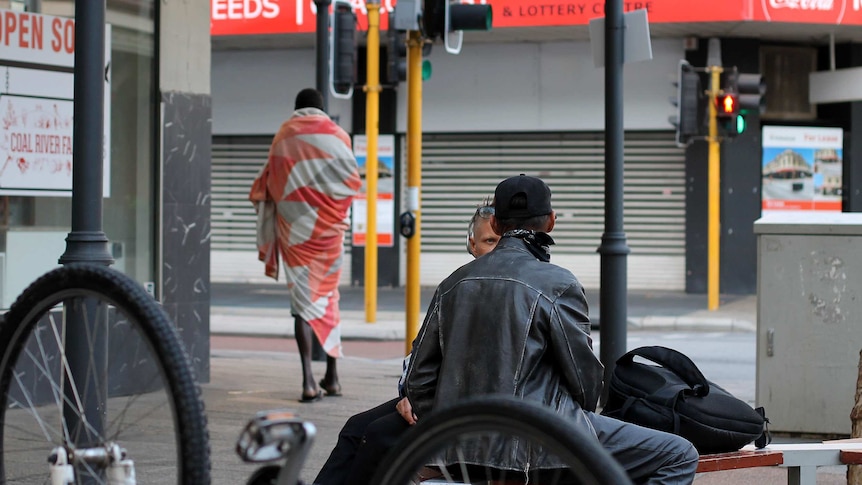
x: 93, y: 373
x: 455, y: 445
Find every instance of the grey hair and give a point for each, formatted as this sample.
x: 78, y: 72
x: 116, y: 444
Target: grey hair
x: 486, y: 202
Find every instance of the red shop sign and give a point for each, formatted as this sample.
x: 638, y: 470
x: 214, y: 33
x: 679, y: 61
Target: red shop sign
x: 246, y: 17
x: 255, y: 17
x: 843, y: 12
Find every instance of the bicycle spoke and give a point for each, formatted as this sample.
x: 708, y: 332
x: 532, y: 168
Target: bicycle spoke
x: 37, y: 334
x: 31, y: 408
x: 140, y: 419
x: 91, y: 472
x: 76, y: 404
x: 91, y: 329
x: 445, y: 471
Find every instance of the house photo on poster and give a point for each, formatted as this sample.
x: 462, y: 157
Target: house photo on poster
x: 802, y: 169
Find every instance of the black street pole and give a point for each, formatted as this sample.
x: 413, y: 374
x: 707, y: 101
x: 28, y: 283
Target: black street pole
x: 85, y: 340
x: 322, y: 78
x: 322, y: 85
x: 613, y: 299
x: 87, y: 242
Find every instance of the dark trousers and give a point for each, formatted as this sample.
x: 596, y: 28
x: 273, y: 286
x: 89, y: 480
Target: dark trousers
x: 362, y: 444
x: 648, y: 456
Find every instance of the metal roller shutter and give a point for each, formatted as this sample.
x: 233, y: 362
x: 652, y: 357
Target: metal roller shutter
x: 459, y: 170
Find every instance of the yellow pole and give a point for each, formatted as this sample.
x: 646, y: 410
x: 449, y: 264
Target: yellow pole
x: 714, y: 234
x: 414, y: 181
x: 372, y: 115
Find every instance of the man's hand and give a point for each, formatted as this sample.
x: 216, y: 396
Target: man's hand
x: 406, y: 410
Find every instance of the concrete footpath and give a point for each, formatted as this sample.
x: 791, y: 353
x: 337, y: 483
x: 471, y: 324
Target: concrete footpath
x: 263, y: 310
x: 252, y: 369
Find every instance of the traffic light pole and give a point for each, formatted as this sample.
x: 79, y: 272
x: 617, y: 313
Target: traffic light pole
x: 372, y: 116
x: 414, y: 182
x: 322, y: 51
x: 714, y: 199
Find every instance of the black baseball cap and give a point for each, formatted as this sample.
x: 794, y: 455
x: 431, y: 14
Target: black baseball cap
x: 535, y: 190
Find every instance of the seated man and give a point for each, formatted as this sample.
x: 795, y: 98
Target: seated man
x: 367, y: 436
x: 545, y: 324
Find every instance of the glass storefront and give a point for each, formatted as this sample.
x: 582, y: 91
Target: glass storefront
x: 37, y: 221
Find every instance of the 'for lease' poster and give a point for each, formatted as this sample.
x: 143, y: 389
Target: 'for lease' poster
x: 802, y: 168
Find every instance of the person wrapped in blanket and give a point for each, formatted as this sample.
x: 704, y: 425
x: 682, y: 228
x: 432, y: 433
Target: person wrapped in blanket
x: 302, y: 196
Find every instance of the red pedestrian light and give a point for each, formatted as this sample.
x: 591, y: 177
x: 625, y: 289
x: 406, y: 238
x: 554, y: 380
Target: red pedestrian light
x: 728, y: 104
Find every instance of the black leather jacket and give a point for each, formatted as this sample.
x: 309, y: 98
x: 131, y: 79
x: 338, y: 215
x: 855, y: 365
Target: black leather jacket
x: 507, y: 323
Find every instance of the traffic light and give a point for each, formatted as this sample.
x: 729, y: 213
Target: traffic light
x: 442, y: 17
x: 752, y: 97
x: 727, y: 112
x: 342, y: 67
x: 752, y: 92
x: 688, y: 103
x: 748, y: 93
x: 396, y: 56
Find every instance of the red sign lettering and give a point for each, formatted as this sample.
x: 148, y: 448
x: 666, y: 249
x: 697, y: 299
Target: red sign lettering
x: 244, y: 9
x: 10, y: 24
x: 843, y: 12
x: 21, y: 30
x: 63, y: 35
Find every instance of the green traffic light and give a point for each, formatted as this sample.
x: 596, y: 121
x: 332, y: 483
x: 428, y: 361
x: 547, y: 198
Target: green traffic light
x: 740, y: 124
x: 426, y: 69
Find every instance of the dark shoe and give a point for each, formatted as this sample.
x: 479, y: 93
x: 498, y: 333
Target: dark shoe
x: 316, y: 397
x: 333, y: 391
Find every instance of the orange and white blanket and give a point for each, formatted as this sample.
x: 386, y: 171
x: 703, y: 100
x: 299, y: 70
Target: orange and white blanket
x: 302, y: 195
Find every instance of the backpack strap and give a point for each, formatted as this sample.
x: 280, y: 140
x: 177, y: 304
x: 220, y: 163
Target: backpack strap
x: 674, y: 361
x: 766, y: 437
x: 668, y: 400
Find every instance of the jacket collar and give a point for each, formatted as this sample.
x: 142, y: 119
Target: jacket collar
x: 537, y: 243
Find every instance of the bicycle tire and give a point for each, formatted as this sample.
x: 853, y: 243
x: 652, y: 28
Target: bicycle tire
x: 503, y: 417
x: 131, y: 316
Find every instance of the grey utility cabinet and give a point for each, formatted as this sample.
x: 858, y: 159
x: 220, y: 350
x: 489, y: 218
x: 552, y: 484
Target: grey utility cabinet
x: 809, y: 319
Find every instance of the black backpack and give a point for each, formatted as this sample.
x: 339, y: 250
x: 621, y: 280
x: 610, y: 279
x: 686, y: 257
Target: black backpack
x: 675, y: 397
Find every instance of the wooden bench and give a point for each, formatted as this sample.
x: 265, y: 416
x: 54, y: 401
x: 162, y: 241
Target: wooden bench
x: 739, y: 459
x: 851, y: 457
x: 800, y: 459
x: 707, y: 463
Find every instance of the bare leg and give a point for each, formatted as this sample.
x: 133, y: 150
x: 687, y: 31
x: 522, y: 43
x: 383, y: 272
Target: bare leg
x: 330, y: 381
x: 317, y: 352
x: 304, y: 336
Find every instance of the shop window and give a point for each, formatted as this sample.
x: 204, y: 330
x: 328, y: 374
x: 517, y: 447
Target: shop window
x: 785, y: 70
x: 36, y: 215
